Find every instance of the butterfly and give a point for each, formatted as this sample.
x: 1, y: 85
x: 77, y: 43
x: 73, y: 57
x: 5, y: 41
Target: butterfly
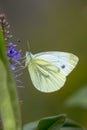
x: 48, y: 70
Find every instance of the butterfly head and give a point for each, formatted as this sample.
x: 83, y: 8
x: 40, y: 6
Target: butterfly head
x: 28, y: 58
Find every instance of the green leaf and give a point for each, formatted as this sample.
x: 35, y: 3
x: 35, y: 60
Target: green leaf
x: 71, y: 125
x: 9, y: 105
x: 48, y: 123
x: 59, y: 122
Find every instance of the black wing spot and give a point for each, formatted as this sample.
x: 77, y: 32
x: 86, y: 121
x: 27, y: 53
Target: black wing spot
x: 63, y: 66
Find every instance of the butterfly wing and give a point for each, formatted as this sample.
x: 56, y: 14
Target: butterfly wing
x: 66, y: 62
x: 45, y: 76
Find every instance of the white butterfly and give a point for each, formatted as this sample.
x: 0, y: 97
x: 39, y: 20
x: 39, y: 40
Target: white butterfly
x: 48, y: 70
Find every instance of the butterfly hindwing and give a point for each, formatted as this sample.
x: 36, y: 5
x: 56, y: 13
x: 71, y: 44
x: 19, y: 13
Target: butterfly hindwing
x: 45, y: 76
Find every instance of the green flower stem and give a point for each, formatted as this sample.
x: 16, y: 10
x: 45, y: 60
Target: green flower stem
x: 5, y: 102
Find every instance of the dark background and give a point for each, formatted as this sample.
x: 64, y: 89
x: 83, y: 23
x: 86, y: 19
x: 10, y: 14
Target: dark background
x: 58, y: 25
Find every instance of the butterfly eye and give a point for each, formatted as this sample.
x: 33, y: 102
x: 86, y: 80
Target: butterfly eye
x: 63, y: 66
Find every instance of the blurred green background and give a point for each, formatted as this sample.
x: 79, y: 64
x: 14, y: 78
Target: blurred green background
x: 58, y: 25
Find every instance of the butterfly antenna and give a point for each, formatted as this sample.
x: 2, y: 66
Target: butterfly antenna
x: 28, y: 45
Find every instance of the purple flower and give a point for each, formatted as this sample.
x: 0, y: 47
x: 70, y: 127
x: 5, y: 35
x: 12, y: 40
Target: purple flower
x: 13, y: 67
x: 13, y: 55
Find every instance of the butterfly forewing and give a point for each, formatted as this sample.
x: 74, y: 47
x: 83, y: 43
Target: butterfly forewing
x: 66, y: 62
x: 45, y: 76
